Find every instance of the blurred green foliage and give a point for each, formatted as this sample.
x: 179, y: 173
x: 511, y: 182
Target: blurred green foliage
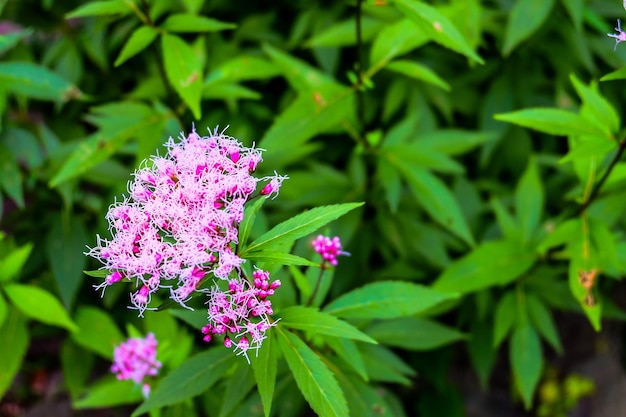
x: 486, y: 151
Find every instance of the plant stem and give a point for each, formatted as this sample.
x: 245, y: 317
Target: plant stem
x: 359, y: 69
x: 317, y: 284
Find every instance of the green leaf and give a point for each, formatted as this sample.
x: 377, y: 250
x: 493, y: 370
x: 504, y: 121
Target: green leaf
x: 386, y: 299
x: 619, y: 74
x: 37, y: 82
x: 100, y: 8
x: 249, y: 214
x: 97, y: 273
x: 551, y: 121
x: 578, y: 264
x: 65, y: 240
x: 189, y: 23
x: 505, y: 317
x: 279, y: 258
x: 418, y: 155
x: 418, y: 72
x: 454, y: 141
x: 76, y: 364
x: 526, y: 361
x: 242, y: 68
x: 12, y: 263
x: 193, y: 377
x: 14, y: 335
x: 265, y: 365
x: 314, y: 321
x: 309, y: 114
x: 481, y: 351
x: 437, y: 26
x: 601, y: 112
x: 575, y: 9
x: 394, y: 40
x: 11, y: 177
x: 435, y: 197
x: 97, y: 331
x: 282, y: 236
x: 317, y: 384
x: 343, y: 33
x: 184, y: 71
x: 9, y: 40
x: 542, y: 320
x: 566, y: 232
x: 529, y: 197
x: 347, y: 350
x: 4, y: 309
x: 110, y: 392
x: 40, y: 305
x: 507, y: 224
x: 238, y: 385
x: 413, y: 333
x: 384, y: 365
x: 139, y: 40
x: 363, y: 400
x: 524, y: 20
x: 491, y: 263
x: 120, y: 122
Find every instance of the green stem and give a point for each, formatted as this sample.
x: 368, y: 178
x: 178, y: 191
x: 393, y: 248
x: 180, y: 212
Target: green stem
x: 317, y: 284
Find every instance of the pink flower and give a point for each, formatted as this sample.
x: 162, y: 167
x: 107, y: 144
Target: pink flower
x: 135, y: 359
x: 179, y: 226
x: 241, y: 313
x: 620, y: 36
x: 328, y: 248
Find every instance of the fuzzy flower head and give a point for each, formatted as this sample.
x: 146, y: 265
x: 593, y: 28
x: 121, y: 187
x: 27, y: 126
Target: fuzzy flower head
x: 180, y: 223
x: 328, y: 248
x: 620, y: 36
x: 135, y: 359
x: 241, y: 312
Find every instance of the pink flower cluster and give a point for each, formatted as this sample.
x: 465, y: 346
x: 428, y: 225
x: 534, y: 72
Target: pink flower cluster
x: 241, y: 312
x: 136, y: 359
x: 328, y: 248
x: 621, y: 35
x: 180, y: 224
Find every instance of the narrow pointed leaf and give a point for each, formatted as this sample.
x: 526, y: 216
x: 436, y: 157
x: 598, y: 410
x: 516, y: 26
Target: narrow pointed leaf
x: 551, y: 121
x: 265, y: 366
x: 386, y: 299
x: 14, y: 336
x: 526, y: 361
x: 37, y: 82
x: 279, y: 258
x: 138, y: 41
x: 419, y: 72
x: 529, y: 197
x: 193, y: 377
x: 39, y: 305
x: 191, y: 23
x: 100, y: 8
x: 184, y: 71
x: 316, y: 382
x: 524, y: 20
x: 284, y: 234
x: 413, y: 333
x: 314, y: 321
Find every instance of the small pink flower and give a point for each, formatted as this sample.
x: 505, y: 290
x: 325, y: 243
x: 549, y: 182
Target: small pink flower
x: 135, y: 359
x: 328, y: 248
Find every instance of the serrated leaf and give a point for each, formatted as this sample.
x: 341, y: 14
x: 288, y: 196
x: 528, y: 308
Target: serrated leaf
x: 184, y: 71
x: 419, y: 72
x: 526, y: 361
x: 314, y: 321
x: 139, y: 40
x: 542, y: 320
x: 39, y: 305
x: 384, y: 365
x: 284, y: 234
x: 278, y: 258
x: 37, y: 82
x: 100, y: 8
x: 265, y: 366
x: 364, y: 400
x: 14, y: 334
x: 551, y: 121
x: 12, y: 262
x: 193, y: 377
x: 386, y: 299
x: 505, y: 317
x: 413, y: 333
x: 491, y: 263
x: 238, y: 385
x: 347, y: 350
x: 529, y: 197
x: 110, y: 392
x: 436, y: 199
x: 315, y: 381
x: 97, y: 331
x: 524, y: 20
x: 190, y: 23
x: 437, y: 26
